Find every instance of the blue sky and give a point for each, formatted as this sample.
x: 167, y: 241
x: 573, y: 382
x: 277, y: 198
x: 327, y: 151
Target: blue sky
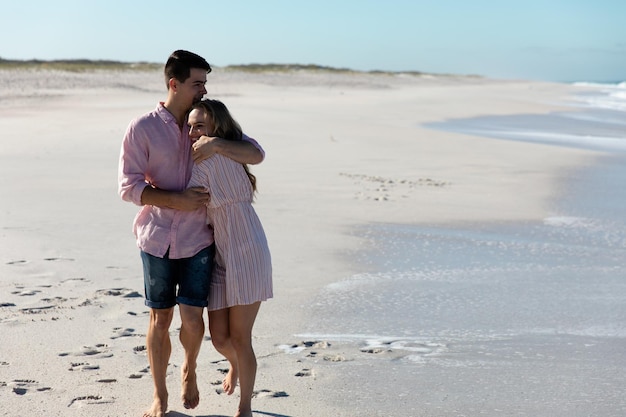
x: 557, y: 40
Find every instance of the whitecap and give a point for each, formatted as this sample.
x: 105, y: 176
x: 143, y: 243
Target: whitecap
x: 568, y: 221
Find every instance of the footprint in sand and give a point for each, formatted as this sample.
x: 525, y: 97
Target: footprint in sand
x: 123, y: 332
x: 89, y: 399
x: 107, y: 380
x: 25, y: 293
x: 85, y: 303
x: 24, y: 386
x: 37, y: 310
x: 50, y: 303
x: 264, y: 393
x: 396, y: 349
x: 378, y: 188
x: 318, y: 344
x: 304, y: 372
x: 141, y: 373
x: 100, y: 351
x: 298, y: 347
x: 83, y: 366
x: 120, y: 292
x: 80, y: 279
x: 138, y: 349
x: 315, y: 344
x: 374, y: 350
x: 24, y: 261
x: 57, y: 300
x: 334, y: 358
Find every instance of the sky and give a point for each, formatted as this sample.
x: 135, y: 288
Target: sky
x: 552, y: 40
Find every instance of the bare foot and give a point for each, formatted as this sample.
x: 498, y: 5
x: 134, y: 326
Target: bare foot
x: 190, y: 394
x: 244, y: 413
x: 230, y: 382
x: 158, y: 408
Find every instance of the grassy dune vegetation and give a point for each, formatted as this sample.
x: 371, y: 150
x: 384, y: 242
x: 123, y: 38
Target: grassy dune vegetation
x: 76, y: 65
x: 85, y: 65
x: 308, y: 67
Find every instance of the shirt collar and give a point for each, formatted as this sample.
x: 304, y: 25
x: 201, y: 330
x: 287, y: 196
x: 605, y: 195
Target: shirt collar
x: 164, y: 113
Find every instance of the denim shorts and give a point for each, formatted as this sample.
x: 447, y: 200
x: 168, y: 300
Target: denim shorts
x: 168, y: 282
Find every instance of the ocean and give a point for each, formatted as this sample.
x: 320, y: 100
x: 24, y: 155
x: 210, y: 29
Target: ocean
x: 515, y: 319
x: 597, y: 122
x: 520, y: 298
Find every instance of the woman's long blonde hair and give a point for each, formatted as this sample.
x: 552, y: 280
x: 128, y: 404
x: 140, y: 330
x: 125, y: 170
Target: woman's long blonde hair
x: 226, y: 127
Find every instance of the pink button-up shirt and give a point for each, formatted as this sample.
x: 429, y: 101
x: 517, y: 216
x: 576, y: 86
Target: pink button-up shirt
x: 156, y: 152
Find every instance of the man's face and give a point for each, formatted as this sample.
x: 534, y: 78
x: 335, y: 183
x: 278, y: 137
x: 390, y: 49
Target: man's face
x: 193, y: 89
x: 199, y: 124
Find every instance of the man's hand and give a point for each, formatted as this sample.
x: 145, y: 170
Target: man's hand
x: 189, y: 200
x: 204, y: 148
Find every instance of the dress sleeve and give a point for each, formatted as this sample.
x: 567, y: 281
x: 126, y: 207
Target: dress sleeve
x: 200, y: 177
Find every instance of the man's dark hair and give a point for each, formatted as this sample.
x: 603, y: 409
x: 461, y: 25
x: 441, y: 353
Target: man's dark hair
x: 180, y: 63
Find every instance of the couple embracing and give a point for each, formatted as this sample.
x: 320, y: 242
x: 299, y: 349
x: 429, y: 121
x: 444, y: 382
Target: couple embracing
x: 200, y: 240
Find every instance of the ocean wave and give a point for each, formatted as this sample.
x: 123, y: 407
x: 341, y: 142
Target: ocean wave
x: 621, y: 84
x: 594, y: 142
x: 610, y: 96
x: 570, y: 222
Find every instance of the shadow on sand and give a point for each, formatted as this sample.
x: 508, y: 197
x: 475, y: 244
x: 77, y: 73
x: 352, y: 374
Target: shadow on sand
x: 263, y: 413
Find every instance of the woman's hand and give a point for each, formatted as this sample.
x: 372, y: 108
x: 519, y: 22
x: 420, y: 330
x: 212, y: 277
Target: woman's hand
x: 242, y: 151
x: 204, y: 148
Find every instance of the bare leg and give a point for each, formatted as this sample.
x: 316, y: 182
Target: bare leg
x: 191, y: 334
x: 159, y: 348
x: 220, y: 336
x: 241, y: 322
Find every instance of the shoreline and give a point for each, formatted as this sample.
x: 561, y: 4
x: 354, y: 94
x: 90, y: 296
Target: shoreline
x: 436, y: 359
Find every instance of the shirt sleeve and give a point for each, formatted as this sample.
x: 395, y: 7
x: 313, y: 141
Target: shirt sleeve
x: 254, y: 142
x: 133, y: 164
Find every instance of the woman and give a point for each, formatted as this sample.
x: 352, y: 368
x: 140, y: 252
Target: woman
x: 242, y: 275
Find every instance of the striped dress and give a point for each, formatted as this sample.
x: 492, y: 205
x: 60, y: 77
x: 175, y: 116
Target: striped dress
x: 242, y: 273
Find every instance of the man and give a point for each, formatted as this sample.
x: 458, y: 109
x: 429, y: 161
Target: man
x: 175, y: 243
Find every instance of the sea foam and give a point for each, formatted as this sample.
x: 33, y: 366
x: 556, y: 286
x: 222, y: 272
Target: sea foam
x: 604, y: 96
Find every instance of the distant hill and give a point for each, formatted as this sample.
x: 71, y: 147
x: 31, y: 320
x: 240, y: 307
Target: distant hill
x: 82, y: 65
x: 307, y: 67
x: 77, y: 65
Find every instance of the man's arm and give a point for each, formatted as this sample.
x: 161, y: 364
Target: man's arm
x: 188, y: 200
x: 132, y: 183
x: 246, y: 151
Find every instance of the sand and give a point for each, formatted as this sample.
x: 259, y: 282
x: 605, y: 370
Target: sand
x: 343, y: 150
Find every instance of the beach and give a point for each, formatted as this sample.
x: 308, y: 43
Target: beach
x: 423, y: 264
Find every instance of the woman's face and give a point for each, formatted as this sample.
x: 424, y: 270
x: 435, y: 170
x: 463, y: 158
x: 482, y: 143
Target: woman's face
x: 200, y: 124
